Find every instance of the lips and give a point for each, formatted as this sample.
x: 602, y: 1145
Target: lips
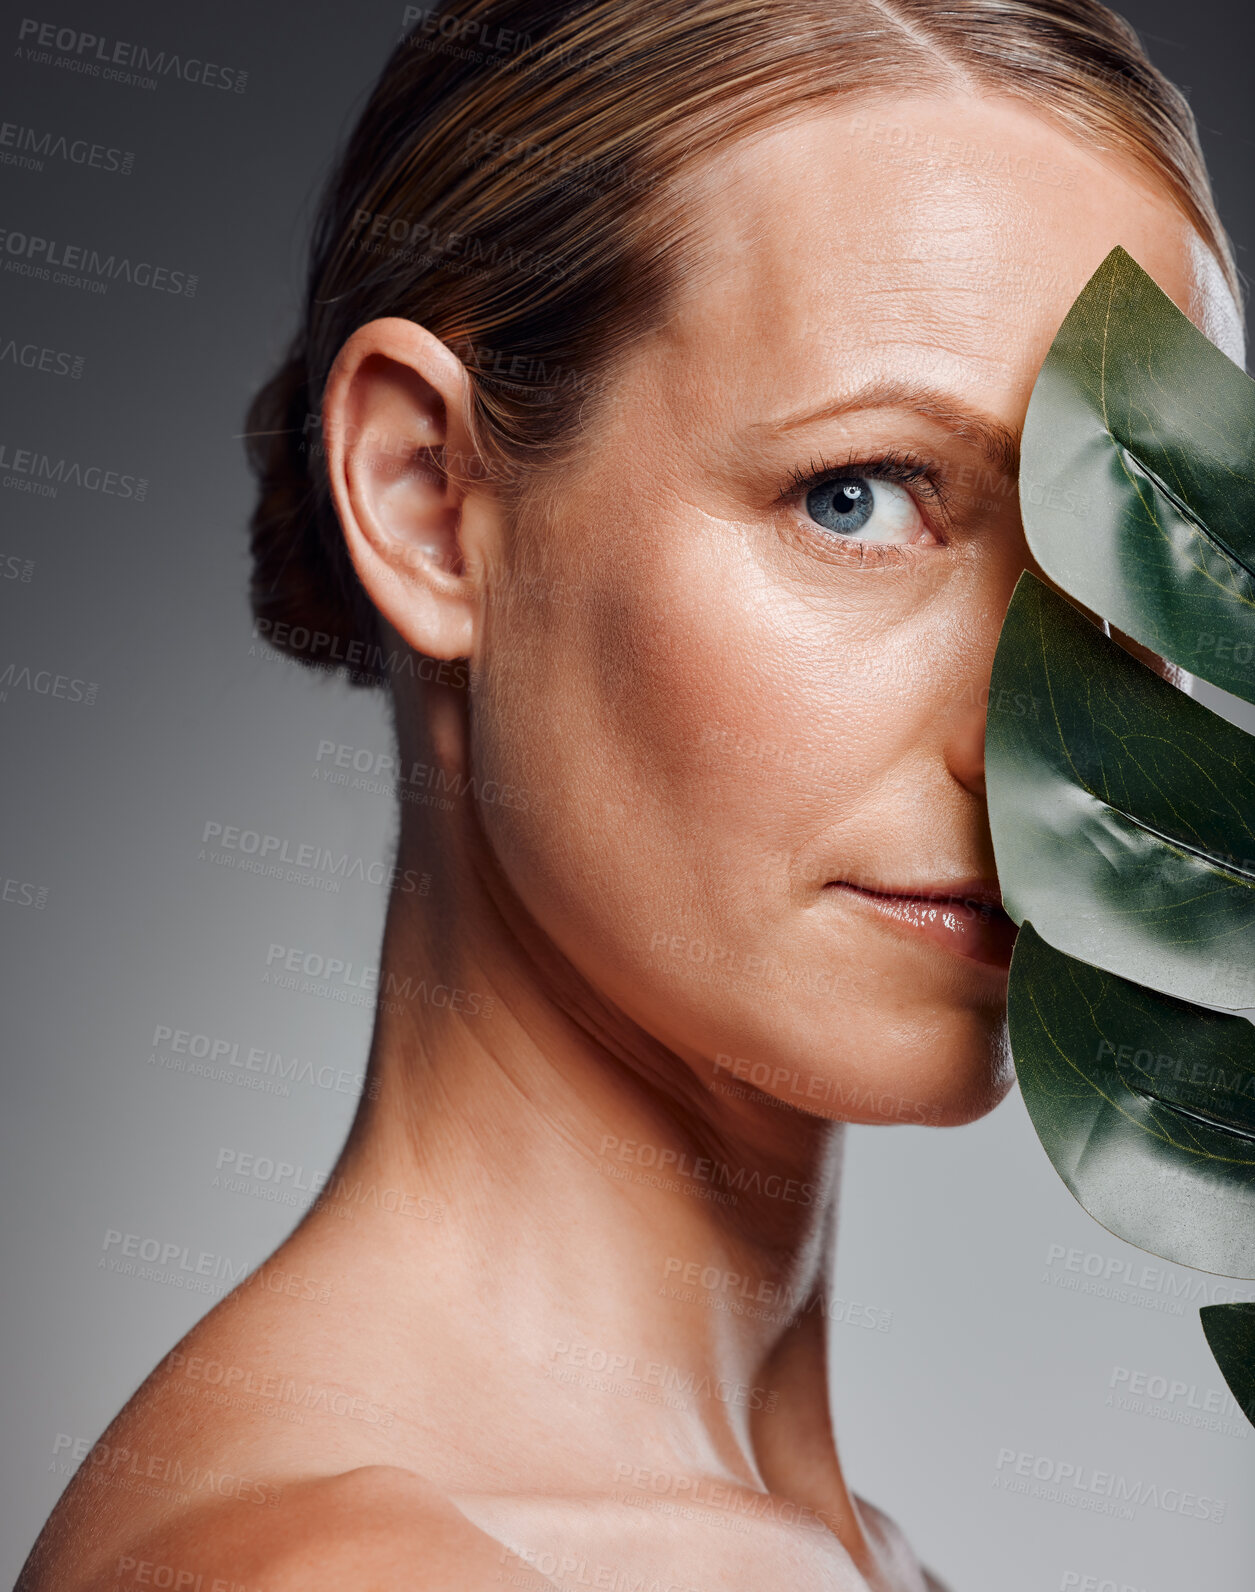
x: 966, y: 919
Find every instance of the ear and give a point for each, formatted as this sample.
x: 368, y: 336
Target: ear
x: 398, y: 444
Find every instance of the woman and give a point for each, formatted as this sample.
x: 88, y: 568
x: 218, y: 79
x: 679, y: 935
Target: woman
x: 669, y: 359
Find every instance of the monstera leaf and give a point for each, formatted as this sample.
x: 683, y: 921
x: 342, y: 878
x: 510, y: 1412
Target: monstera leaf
x: 1230, y: 1333
x: 1145, y: 1106
x: 1122, y: 811
x: 1138, y: 476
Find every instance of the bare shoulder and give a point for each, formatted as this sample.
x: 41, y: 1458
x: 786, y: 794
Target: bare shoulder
x: 377, y: 1528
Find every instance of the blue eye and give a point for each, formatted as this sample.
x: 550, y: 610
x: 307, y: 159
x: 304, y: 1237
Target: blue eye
x: 844, y: 505
x: 866, y: 509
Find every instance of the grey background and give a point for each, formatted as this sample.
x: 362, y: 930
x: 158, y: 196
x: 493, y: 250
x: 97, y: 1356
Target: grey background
x: 194, y: 723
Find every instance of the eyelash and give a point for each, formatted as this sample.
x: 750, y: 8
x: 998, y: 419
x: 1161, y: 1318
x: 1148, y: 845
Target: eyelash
x: 908, y: 469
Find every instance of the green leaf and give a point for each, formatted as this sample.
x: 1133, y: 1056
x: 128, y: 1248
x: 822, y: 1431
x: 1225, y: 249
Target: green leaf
x: 1144, y: 1104
x: 1137, y: 477
x: 1122, y: 811
x: 1230, y: 1331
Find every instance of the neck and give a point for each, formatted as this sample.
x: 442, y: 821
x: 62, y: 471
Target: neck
x: 598, y: 1183
x: 600, y: 1214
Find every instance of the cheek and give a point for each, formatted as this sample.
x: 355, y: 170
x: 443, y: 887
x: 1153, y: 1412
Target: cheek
x: 683, y: 727
x: 752, y: 734
x: 698, y: 738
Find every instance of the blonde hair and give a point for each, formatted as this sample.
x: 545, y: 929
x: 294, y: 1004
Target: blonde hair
x: 508, y: 187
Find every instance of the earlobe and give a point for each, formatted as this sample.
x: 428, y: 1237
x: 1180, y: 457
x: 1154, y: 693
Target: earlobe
x: 394, y: 416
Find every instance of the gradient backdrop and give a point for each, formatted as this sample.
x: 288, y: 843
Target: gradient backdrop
x: 996, y: 1316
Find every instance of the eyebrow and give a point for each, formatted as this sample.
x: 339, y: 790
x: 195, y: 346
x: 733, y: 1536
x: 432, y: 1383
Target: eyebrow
x: 999, y: 443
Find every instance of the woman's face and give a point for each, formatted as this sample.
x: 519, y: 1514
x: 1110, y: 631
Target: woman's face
x: 746, y: 693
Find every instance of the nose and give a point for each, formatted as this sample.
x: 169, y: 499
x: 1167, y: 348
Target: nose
x: 965, y: 739
x: 965, y: 745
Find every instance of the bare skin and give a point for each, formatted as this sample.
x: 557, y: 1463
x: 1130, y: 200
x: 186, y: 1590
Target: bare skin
x: 519, y: 1386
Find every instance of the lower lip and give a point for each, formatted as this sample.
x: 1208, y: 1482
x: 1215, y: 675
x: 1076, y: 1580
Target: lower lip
x: 972, y: 929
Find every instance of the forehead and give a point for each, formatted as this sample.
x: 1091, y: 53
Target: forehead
x: 930, y: 239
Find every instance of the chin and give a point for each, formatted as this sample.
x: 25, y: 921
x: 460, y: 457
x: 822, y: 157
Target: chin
x: 927, y: 1064
x: 927, y: 1044
x: 959, y: 1070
